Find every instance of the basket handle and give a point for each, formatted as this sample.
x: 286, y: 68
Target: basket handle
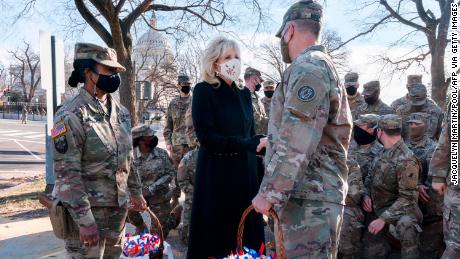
x: 156, y: 222
x: 280, y: 239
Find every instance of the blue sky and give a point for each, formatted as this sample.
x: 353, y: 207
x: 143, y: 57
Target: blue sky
x: 339, y: 15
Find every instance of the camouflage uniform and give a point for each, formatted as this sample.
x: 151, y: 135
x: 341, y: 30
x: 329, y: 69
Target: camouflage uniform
x: 353, y: 217
x: 156, y: 172
x: 393, y: 190
x: 186, y: 178
x: 186, y: 175
x: 92, y: 163
x: 260, y: 118
x: 411, y: 80
x: 441, y: 173
x: 24, y: 114
x: 418, y: 103
x: 356, y: 100
x: 431, y: 239
x: 378, y: 108
x: 364, y: 155
x: 309, y: 133
x: 174, y: 131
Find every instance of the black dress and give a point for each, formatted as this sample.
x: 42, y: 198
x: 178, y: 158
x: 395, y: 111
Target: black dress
x: 226, y: 174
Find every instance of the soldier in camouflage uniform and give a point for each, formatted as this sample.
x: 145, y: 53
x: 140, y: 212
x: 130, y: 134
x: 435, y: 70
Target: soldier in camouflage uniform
x: 186, y: 175
x: 418, y: 103
x: 350, y: 245
x: 155, y: 169
x: 443, y: 183
x: 309, y: 133
x: 93, y: 156
x: 393, y: 194
x: 372, y: 104
x: 431, y: 239
x: 25, y: 112
x: 253, y: 80
x: 269, y: 89
x: 355, y: 99
x: 174, y: 131
x: 366, y: 148
x: 411, y: 81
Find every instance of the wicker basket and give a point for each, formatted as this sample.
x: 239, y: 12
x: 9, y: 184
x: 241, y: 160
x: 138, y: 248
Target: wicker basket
x: 156, y: 222
x: 279, y: 232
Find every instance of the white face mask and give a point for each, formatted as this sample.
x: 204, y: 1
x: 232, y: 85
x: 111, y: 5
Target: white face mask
x: 231, y: 69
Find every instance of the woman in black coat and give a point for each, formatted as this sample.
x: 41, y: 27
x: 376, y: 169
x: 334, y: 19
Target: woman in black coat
x: 226, y: 173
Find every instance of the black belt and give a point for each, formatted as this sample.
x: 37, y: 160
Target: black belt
x: 226, y: 154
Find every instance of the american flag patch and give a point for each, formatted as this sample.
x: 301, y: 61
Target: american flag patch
x: 58, y: 130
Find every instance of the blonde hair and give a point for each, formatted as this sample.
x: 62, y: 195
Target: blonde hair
x: 215, y: 49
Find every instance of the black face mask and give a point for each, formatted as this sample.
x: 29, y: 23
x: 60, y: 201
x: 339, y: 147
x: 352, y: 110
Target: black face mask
x: 185, y: 89
x: 362, y: 137
x: 154, y: 142
x: 371, y: 99
x: 269, y: 94
x: 351, y: 90
x: 258, y: 86
x: 108, y: 84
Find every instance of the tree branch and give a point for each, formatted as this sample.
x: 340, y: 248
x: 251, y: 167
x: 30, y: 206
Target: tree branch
x: 119, y: 6
x: 400, y: 18
x: 140, y: 9
x: 166, y: 8
x: 422, y: 13
x: 94, y: 23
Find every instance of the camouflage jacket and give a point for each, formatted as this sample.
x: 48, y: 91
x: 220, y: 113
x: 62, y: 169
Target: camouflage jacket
x: 440, y: 168
x: 308, y: 133
x: 190, y: 134
x: 435, y: 117
x: 355, y: 102
x: 379, y: 108
x: 398, y: 103
x: 174, y: 131
x: 92, y: 156
x: 267, y: 103
x: 156, y: 172
x: 186, y: 171
x: 355, y: 184
x: 393, y: 183
x: 423, y: 150
x: 364, y: 156
x: 260, y: 119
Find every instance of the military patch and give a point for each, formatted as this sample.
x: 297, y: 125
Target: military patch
x: 58, y: 130
x: 306, y: 93
x: 60, y: 144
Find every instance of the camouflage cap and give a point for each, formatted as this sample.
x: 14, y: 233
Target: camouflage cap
x: 142, y: 130
x: 417, y: 94
x: 351, y: 78
x: 268, y: 83
x: 305, y: 9
x: 104, y: 56
x: 390, y: 121
x: 418, y: 117
x: 183, y: 79
x: 414, y: 79
x: 250, y: 72
x: 370, y: 119
x: 371, y: 87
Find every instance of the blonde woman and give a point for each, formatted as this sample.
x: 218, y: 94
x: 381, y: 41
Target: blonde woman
x: 226, y: 174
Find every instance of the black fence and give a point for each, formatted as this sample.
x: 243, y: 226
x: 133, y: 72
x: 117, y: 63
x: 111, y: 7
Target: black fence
x: 13, y: 110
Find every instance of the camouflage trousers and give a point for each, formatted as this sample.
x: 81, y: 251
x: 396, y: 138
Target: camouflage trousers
x: 431, y: 240
x: 380, y: 245
x: 311, y: 229
x: 451, y: 233
x: 161, y: 210
x: 352, y: 228
x: 186, y: 215
x: 111, y: 225
x: 178, y: 152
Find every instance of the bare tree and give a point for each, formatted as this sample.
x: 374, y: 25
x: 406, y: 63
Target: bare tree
x: 26, y: 70
x: 420, y: 20
x: 188, y: 62
x: 330, y: 39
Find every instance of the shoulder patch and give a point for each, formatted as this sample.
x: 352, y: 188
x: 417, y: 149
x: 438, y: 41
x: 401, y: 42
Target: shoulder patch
x: 58, y: 130
x: 306, y: 93
x: 60, y: 144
